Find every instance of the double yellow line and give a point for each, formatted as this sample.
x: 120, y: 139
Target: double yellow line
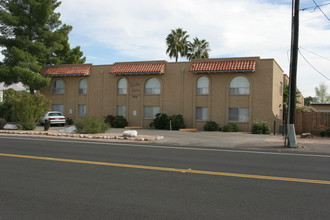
x: 214, y: 173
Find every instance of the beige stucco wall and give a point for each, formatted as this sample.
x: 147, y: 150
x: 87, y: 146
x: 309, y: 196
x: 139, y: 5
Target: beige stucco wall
x: 178, y: 94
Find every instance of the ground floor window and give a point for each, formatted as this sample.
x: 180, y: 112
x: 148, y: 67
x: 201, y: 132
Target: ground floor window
x: 58, y: 107
x: 239, y: 114
x: 82, y: 110
x: 121, y: 110
x: 151, y: 111
x: 202, y: 113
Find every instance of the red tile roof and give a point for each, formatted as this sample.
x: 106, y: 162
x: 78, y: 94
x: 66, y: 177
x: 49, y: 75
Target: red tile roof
x: 68, y: 70
x: 142, y: 68
x: 223, y: 66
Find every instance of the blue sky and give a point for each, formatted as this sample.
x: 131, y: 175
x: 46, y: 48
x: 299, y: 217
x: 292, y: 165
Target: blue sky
x: 110, y: 31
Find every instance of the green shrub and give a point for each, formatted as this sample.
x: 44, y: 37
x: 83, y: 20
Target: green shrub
x: 327, y: 132
x: 323, y: 133
x: 211, y: 126
x: 91, y: 125
x: 260, y: 127
x: 2, y: 123
x: 160, y: 122
x: 27, y: 108
x: 163, y: 121
x: 27, y: 125
x: 230, y: 127
x: 176, y: 122
x: 305, y: 109
x: 116, y: 121
x: 120, y: 122
x: 109, y: 119
x: 6, y: 106
x: 69, y: 121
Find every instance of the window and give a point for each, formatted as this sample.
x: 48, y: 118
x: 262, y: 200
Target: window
x: 151, y: 111
x: 58, y: 107
x: 121, y: 110
x: 122, y: 86
x: 202, y: 113
x: 152, y: 87
x: 239, y: 114
x: 83, y: 86
x: 202, y: 86
x: 239, y: 86
x: 281, y: 88
x: 82, y: 110
x: 58, y: 87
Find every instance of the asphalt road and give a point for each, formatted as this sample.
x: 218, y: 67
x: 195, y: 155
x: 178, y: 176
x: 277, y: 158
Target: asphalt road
x: 56, y: 179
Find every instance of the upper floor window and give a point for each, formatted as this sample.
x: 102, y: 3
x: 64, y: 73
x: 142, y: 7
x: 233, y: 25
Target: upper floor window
x: 239, y: 86
x: 122, y: 86
x: 202, y: 86
x: 83, y: 86
x: 152, y: 86
x: 58, y: 87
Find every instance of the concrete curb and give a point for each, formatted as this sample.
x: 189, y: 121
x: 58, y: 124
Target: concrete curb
x: 84, y: 136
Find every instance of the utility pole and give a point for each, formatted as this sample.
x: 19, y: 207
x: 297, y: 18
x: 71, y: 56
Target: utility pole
x: 293, y: 74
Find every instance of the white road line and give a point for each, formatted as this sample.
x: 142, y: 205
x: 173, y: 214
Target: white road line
x: 169, y: 147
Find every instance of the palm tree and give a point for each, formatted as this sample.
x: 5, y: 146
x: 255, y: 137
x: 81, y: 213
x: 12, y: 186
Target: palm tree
x: 198, y: 49
x: 177, y: 43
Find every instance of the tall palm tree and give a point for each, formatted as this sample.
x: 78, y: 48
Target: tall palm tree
x: 177, y: 43
x: 198, y: 49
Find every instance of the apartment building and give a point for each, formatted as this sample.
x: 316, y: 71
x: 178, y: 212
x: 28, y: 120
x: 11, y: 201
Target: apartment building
x: 240, y: 90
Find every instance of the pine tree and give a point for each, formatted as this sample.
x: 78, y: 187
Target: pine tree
x: 33, y: 37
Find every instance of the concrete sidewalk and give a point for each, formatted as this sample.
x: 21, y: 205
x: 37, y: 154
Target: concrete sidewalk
x: 228, y: 140
x: 237, y: 140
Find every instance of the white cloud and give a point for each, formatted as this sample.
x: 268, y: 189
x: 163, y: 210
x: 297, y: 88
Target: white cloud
x: 138, y: 29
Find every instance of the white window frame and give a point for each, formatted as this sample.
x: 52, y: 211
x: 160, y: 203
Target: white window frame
x: 202, y: 113
x: 152, y: 87
x: 150, y: 112
x: 58, y: 90
x: 202, y: 86
x: 238, y: 87
x: 122, y: 86
x: 239, y: 115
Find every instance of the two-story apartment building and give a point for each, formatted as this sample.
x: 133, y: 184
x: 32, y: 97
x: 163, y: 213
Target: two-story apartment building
x: 239, y: 90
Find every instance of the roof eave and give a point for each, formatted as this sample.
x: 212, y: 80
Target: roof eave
x: 222, y: 71
x: 139, y: 73
x: 63, y: 75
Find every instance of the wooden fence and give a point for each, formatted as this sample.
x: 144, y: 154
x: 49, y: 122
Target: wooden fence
x: 312, y: 122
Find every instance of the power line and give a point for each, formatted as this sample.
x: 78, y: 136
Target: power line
x: 318, y: 6
x: 313, y: 66
x: 304, y: 9
x: 315, y: 53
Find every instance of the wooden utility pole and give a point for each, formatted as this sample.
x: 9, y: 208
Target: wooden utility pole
x: 293, y: 72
